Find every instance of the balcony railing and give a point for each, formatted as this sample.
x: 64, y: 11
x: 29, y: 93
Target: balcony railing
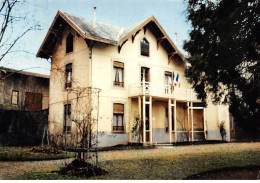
x: 165, y: 91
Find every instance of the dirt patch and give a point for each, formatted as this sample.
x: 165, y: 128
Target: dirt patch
x: 81, y: 169
x: 232, y: 173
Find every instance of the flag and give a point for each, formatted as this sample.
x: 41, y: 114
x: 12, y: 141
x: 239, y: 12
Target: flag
x: 173, y: 76
x: 176, y: 80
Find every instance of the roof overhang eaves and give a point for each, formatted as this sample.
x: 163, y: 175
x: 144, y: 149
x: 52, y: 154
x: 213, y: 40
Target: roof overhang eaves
x: 47, y: 35
x: 76, y: 28
x: 144, y: 23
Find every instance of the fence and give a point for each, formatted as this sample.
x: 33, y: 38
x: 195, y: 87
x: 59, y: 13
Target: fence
x: 22, y: 128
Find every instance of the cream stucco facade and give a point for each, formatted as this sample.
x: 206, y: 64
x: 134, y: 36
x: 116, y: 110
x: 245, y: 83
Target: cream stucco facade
x: 93, y: 66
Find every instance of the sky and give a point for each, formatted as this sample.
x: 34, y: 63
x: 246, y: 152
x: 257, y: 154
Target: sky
x: 122, y: 13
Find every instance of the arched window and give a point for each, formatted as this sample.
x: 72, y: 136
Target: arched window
x: 69, y: 43
x: 144, y: 47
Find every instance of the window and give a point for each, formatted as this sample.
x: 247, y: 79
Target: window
x: 118, y: 74
x: 68, y: 72
x: 168, y: 81
x: 167, y: 119
x: 118, y: 117
x: 15, y: 97
x: 67, y: 118
x: 168, y: 78
x: 69, y: 43
x: 144, y: 47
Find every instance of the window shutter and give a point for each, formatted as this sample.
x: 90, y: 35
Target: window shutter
x: 119, y: 64
x: 168, y: 73
x: 118, y: 108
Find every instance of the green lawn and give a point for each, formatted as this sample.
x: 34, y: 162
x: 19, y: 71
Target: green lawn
x: 165, y: 167
x: 24, y: 154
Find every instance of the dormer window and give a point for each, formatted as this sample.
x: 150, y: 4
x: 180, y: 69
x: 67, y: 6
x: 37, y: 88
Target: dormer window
x: 144, y: 47
x: 69, y: 43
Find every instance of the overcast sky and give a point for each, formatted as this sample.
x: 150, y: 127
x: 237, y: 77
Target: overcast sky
x: 122, y: 13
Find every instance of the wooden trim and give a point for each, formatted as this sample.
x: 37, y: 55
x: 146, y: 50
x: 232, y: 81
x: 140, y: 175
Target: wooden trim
x: 143, y: 25
x: 76, y: 28
x: 120, y: 46
x: 145, y: 28
x: 57, y: 36
x: 47, y: 35
x: 133, y: 36
x: 160, y: 40
x: 170, y: 55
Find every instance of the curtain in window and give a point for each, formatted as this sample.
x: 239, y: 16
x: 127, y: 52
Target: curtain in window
x: 115, y: 74
x: 69, y: 77
x: 120, y: 120
x: 114, y: 120
x: 120, y: 75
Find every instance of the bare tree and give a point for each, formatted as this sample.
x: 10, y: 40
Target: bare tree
x: 15, y: 24
x: 137, y: 128
x: 84, y: 115
x: 185, y: 131
x: 80, y: 131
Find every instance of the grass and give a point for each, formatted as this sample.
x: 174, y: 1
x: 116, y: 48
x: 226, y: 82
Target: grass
x: 24, y: 154
x: 164, y: 167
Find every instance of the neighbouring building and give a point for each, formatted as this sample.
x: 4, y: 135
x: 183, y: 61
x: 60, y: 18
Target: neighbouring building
x: 140, y: 72
x: 24, y: 98
x: 23, y: 91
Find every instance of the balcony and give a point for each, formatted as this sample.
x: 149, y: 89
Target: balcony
x: 162, y: 91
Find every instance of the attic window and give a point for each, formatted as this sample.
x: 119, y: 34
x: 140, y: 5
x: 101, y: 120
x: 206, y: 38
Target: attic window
x: 144, y: 47
x: 69, y: 43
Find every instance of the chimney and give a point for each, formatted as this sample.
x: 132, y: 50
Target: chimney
x: 94, y: 20
x: 175, y: 38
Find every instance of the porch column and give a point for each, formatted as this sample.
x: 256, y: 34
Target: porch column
x: 204, y: 122
x: 130, y: 120
x: 192, y: 137
x: 188, y: 108
x: 151, y: 121
x: 139, y: 106
x: 175, y: 120
x: 170, y: 121
x: 144, y: 125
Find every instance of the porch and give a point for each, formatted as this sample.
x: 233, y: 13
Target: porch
x: 168, y: 114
